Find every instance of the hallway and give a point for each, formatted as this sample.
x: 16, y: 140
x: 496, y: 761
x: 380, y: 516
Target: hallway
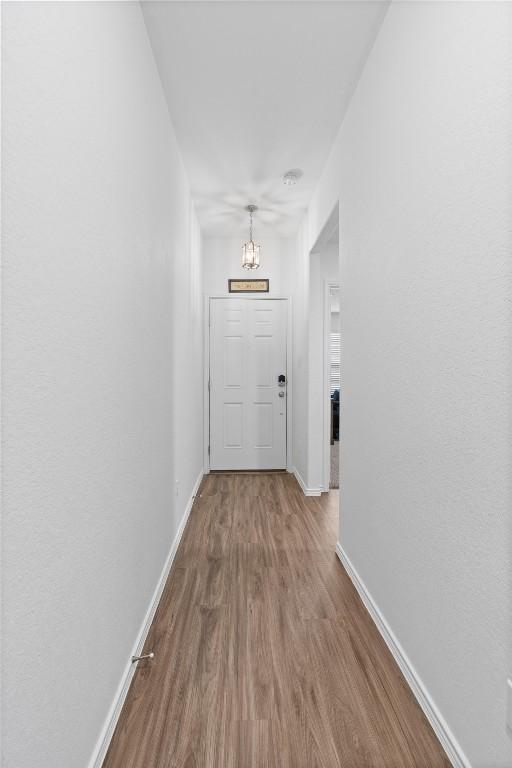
x: 216, y: 215
x: 265, y: 655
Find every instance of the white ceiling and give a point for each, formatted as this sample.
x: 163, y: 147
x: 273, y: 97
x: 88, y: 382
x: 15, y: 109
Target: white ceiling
x: 255, y: 89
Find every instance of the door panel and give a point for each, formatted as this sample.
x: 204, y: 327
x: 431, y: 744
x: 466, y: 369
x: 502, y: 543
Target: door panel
x: 233, y: 361
x: 233, y: 425
x: 262, y: 361
x: 263, y: 425
x: 247, y: 413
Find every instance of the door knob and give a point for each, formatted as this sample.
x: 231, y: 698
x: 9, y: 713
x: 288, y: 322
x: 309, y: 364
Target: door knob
x: 281, y: 394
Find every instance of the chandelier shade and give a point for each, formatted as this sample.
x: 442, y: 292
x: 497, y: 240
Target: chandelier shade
x: 250, y: 255
x: 250, y: 249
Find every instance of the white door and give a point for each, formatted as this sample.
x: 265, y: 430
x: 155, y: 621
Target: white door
x: 247, y: 401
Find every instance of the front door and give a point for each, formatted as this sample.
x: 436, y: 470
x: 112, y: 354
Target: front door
x: 247, y: 395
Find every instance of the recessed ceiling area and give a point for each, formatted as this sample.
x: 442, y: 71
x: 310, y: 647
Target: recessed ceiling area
x: 255, y: 89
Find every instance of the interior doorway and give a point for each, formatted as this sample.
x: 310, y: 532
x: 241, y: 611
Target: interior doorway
x: 325, y: 357
x: 333, y: 379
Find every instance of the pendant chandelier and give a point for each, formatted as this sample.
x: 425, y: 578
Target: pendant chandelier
x: 251, y: 250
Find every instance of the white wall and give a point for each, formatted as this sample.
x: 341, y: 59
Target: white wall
x: 301, y: 269
x: 422, y: 170
x: 101, y: 364
x: 222, y: 259
x: 187, y: 366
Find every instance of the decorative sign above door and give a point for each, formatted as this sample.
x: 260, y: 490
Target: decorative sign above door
x: 248, y: 286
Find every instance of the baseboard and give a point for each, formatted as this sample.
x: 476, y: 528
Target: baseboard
x: 450, y: 745
x: 307, y: 491
x: 107, y: 732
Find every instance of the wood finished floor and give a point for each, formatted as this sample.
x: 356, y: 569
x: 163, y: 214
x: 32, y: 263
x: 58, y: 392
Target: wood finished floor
x: 265, y: 655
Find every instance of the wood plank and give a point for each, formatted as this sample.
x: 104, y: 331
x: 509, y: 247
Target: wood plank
x: 265, y: 655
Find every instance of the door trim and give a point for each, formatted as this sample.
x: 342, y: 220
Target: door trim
x: 208, y: 298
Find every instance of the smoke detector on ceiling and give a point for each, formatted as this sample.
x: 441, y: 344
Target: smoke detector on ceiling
x: 291, y: 178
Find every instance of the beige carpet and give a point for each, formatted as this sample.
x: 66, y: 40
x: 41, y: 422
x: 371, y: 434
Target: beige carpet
x: 335, y: 465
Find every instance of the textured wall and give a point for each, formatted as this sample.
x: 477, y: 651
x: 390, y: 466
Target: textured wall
x: 98, y: 231
x: 422, y: 169
x: 222, y: 259
x: 300, y: 355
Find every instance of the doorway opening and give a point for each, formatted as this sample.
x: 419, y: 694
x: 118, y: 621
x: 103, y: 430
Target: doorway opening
x: 325, y: 357
x: 333, y: 364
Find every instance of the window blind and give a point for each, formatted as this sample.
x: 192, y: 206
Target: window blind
x: 335, y: 361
